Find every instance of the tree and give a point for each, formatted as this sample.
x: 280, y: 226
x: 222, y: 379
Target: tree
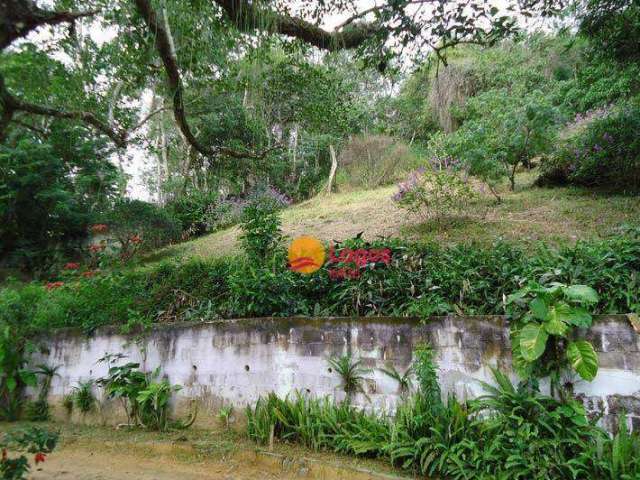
x: 378, y: 33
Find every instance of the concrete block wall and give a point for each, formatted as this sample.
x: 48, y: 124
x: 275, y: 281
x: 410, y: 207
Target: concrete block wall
x: 236, y: 362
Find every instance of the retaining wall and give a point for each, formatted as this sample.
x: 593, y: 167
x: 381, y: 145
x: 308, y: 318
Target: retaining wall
x: 235, y: 362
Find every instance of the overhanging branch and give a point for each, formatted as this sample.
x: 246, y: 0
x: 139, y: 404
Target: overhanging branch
x: 250, y: 15
x: 11, y: 104
x: 164, y: 46
x: 19, y: 17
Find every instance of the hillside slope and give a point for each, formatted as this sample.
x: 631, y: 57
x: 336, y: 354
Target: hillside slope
x: 528, y: 214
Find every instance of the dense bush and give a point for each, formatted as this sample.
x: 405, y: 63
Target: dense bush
x: 198, y: 212
x: 134, y: 222
x: 421, y: 280
x: 603, y: 152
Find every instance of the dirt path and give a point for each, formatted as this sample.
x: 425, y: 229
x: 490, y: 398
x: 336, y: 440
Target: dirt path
x: 74, y: 463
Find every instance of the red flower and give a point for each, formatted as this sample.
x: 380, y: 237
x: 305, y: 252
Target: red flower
x: 99, y: 228
x: 71, y: 266
x: 54, y: 285
x: 95, y: 248
x: 136, y: 239
x: 39, y: 458
x: 88, y: 273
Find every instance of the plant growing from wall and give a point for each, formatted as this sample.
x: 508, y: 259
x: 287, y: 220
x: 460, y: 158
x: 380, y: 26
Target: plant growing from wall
x: 33, y: 440
x: 544, y: 321
x: 405, y: 380
x: 351, y: 373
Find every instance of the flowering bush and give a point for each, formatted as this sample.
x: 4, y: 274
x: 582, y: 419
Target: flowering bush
x: 601, y: 150
x: 433, y: 194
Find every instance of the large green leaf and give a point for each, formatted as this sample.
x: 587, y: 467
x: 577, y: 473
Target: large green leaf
x: 539, y: 308
x: 533, y: 341
x: 583, y: 358
x: 555, y: 324
x: 577, y: 316
x: 581, y: 294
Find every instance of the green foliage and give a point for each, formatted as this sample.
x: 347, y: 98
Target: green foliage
x: 405, y: 380
x: 434, y: 194
x: 197, y: 212
x: 509, y: 433
x: 421, y: 280
x: 83, y: 398
x: 139, y: 225
x: 14, y: 375
x: 261, y: 235
x: 154, y: 404
x: 49, y: 194
x: 541, y: 336
x: 603, y: 153
x: 33, y: 440
x: 38, y: 410
x: 425, y: 370
x: 351, y: 373
x: 145, y: 400
x: 503, y: 130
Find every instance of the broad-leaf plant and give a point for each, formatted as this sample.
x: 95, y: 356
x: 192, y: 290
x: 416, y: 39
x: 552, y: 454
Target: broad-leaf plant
x: 543, y: 331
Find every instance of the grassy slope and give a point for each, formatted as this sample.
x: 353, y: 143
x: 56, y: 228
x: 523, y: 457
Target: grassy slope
x: 528, y: 214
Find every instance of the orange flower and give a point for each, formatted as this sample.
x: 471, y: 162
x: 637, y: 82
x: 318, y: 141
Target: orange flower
x: 88, y: 273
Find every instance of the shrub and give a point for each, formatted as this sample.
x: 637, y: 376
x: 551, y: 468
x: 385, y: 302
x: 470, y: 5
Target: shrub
x: 605, y: 152
x: 198, y: 212
x: 434, y: 194
x: 509, y: 433
x: 261, y: 235
x: 140, y: 225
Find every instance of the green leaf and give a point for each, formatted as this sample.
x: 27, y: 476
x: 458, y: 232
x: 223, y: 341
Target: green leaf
x: 539, y: 308
x: 11, y: 384
x: 533, y: 341
x: 583, y: 359
x: 581, y: 294
x: 555, y: 325
x: 577, y: 316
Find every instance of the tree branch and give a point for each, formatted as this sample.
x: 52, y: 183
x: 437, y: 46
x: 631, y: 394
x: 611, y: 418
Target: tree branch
x: 13, y: 104
x: 164, y: 45
x: 19, y: 17
x: 250, y: 15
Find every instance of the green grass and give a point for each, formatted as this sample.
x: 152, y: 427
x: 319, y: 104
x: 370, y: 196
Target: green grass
x: 530, y: 214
